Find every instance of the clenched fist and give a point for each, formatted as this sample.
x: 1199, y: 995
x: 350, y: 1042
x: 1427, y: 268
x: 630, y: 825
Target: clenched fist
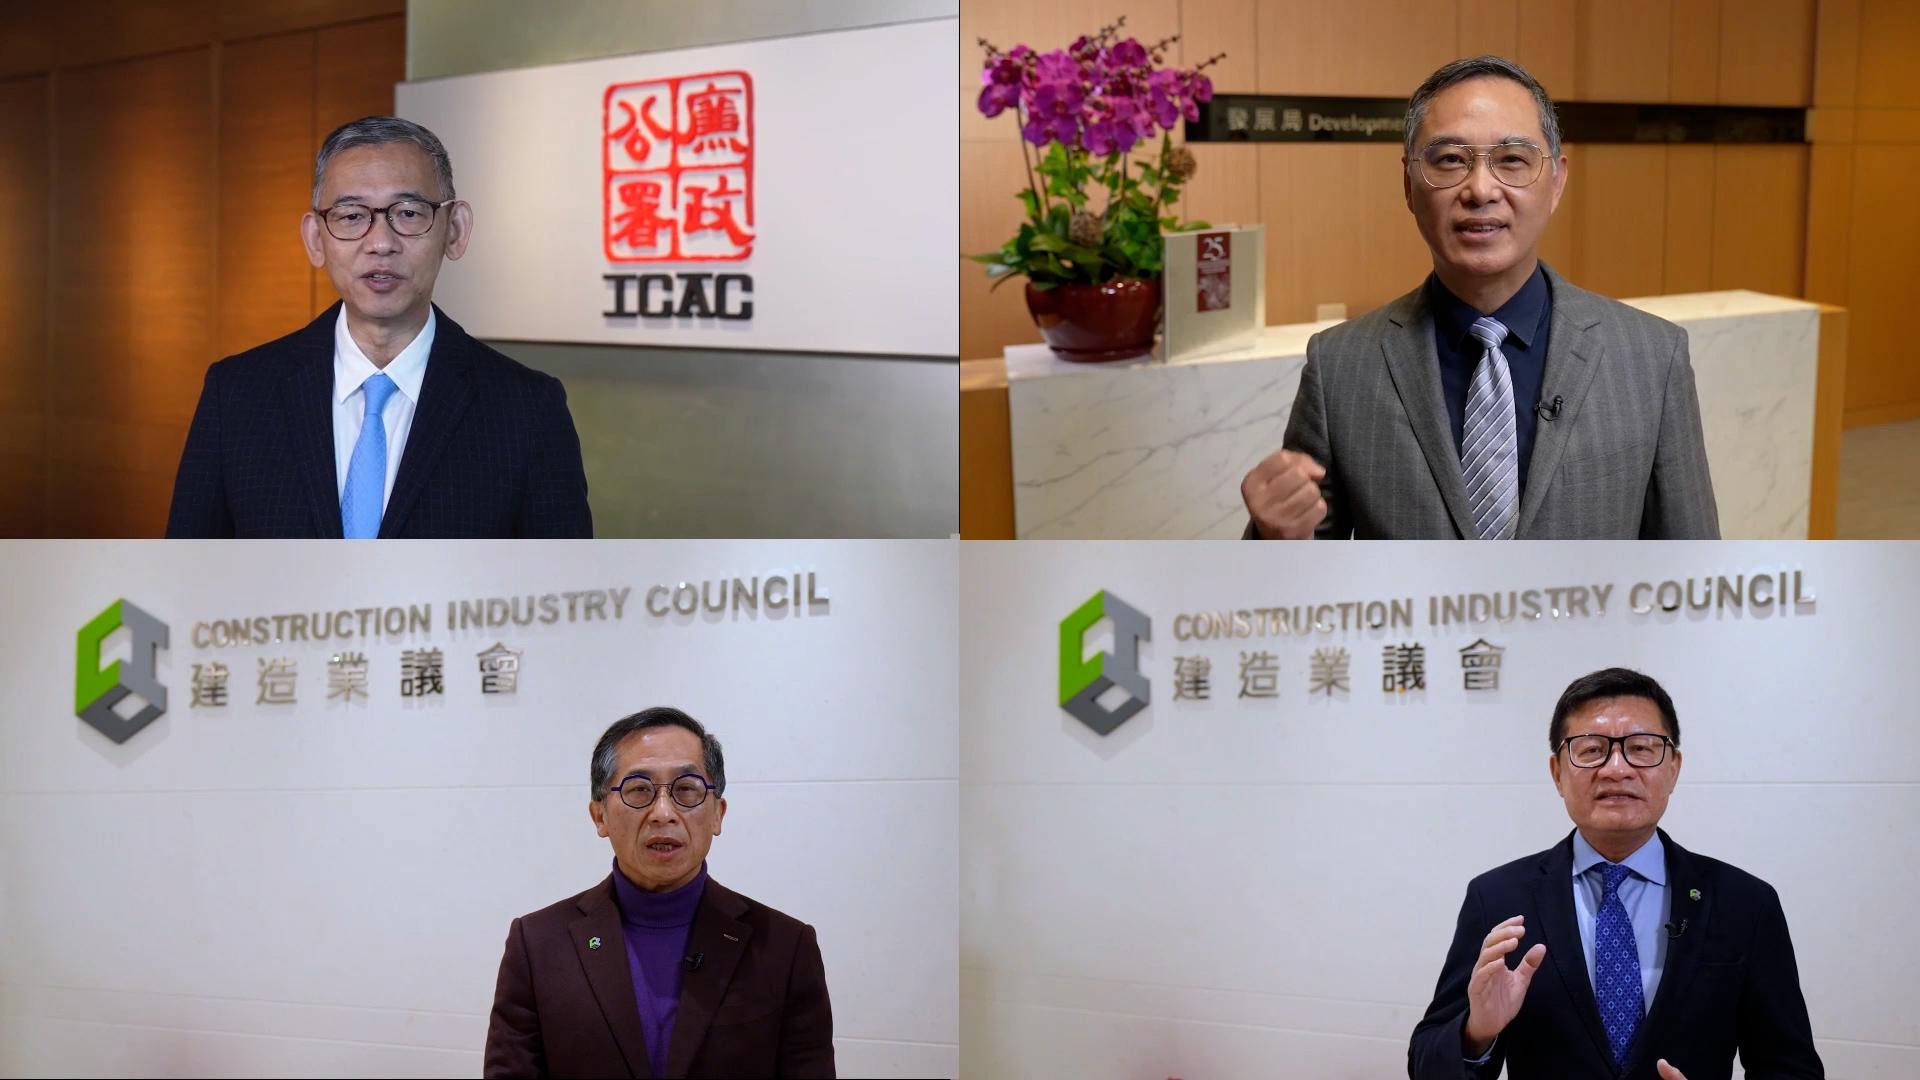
x: 1282, y: 494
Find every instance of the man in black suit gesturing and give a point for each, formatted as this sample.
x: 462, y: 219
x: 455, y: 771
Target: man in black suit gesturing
x: 1664, y: 963
x: 382, y: 417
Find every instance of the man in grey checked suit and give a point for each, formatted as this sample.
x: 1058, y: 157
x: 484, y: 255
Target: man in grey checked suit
x: 1497, y: 400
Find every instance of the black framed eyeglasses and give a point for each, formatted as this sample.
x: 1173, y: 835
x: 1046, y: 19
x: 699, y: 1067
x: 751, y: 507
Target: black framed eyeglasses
x: 688, y: 790
x: 408, y: 217
x: 1641, y: 750
x: 1515, y: 164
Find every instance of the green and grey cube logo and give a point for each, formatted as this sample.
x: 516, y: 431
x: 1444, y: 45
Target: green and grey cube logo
x: 97, y: 690
x: 1083, y: 679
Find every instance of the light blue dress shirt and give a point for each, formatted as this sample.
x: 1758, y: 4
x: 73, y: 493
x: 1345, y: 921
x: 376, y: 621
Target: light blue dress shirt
x: 1644, y: 894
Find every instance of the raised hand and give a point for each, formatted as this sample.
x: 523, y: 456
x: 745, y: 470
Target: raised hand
x: 1495, y: 993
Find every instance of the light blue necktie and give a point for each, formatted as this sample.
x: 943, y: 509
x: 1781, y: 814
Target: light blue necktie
x: 1616, y: 966
x: 366, y: 490
x: 1490, y: 439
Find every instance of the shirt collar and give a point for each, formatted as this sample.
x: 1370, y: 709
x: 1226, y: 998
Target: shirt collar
x: 1522, y: 314
x: 1649, y: 862
x: 675, y: 907
x: 407, y: 370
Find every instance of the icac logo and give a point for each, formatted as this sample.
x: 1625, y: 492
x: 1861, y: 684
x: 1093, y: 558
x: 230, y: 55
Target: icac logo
x: 676, y: 173
x: 1083, y: 679
x: 97, y: 690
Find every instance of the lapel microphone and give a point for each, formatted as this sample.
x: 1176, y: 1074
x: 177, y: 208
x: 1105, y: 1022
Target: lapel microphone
x: 1675, y: 930
x: 693, y: 962
x: 1546, y: 410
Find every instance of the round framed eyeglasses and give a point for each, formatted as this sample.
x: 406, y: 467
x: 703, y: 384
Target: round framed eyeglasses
x: 689, y: 791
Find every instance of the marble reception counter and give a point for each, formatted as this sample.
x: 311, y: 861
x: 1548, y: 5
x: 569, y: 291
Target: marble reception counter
x: 1150, y: 449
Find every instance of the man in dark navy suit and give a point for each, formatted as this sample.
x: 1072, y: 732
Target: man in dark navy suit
x: 1637, y: 959
x: 462, y: 440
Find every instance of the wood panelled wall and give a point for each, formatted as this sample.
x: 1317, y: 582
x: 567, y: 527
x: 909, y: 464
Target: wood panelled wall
x: 1863, y: 210
x: 155, y: 158
x: 1835, y: 221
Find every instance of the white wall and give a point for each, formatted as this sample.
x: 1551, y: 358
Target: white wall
x: 1262, y: 889
x: 324, y: 889
x: 854, y: 177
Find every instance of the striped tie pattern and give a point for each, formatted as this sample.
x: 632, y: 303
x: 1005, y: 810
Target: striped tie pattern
x: 1489, y: 452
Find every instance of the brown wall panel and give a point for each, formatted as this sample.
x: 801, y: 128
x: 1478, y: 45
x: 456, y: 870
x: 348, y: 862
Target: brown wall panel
x: 355, y: 67
x: 1889, y: 56
x: 103, y: 30
x: 1616, y: 58
x: 990, y: 319
x: 1488, y: 26
x: 170, y: 162
x: 1836, y: 52
x: 1759, y: 218
x: 1693, y: 57
x: 1226, y: 187
x: 1348, y: 236
x: 266, y: 161
x: 1560, y: 244
x: 1360, y: 47
x: 1883, y: 382
x: 236, y: 20
x: 133, y: 282
x: 1054, y: 25
x: 1222, y: 26
x: 1829, y: 221
x: 1546, y: 42
x: 1766, y: 52
x: 28, y: 45
x: 23, y: 305
x: 1619, y: 230
x: 1689, y: 220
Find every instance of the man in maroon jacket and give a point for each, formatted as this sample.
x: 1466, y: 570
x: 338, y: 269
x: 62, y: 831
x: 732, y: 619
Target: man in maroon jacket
x: 659, y: 971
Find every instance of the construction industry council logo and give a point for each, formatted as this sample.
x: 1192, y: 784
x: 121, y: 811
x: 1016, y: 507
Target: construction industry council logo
x: 676, y: 164
x: 97, y: 690
x: 1085, y: 679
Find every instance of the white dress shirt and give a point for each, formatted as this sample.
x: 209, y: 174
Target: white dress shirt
x: 351, y: 368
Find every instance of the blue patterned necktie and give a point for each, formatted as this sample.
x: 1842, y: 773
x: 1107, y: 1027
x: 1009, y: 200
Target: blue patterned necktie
x: 1616, y: 966
x: 1490, y: 439
x: 361, y: 505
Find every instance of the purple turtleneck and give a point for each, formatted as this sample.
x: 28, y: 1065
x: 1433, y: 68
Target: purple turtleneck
x: 656, y: 926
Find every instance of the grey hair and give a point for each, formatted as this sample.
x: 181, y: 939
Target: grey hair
x: 1478, y: 67
x: 377, y: 131
x: 601, y: 769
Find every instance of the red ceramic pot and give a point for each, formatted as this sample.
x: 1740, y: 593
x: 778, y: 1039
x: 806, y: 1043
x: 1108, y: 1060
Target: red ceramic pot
x: 1097, y: 322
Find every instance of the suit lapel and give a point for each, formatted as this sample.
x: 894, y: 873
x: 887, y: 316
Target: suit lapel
x: 1553, y: 900
x: 609, y: 974
x: 309, y: 408
x: 718, y: 938
x: 1413, y: 363
x: 444, y: 395
x: 1573, y: 356
x: 1684, y: 875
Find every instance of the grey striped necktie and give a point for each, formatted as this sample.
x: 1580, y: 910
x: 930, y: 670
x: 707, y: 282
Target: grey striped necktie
x: 1489, y: 448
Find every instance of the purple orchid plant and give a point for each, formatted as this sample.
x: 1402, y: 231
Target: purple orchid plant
x: 1083, y: 111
